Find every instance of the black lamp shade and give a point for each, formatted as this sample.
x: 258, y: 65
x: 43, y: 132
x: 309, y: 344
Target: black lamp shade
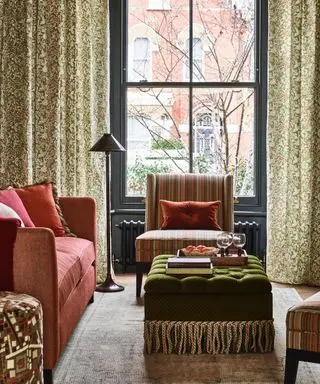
x: 107, y: 143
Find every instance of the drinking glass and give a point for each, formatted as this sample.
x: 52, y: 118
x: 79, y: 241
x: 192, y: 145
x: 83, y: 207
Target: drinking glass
x: 224, y: 239
x: 239, y: 240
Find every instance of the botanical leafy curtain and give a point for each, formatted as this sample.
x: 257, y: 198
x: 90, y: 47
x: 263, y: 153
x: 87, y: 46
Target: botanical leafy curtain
x: 293, y: 254
x: 53, y: 95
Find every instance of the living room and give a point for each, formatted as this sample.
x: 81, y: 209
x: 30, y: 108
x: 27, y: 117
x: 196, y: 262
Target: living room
x: 209, y: 87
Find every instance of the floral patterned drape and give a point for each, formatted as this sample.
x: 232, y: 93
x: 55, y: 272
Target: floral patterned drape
x: 53, y: 96
x: 293, y: 254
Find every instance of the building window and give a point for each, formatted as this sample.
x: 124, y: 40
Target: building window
x: 159, y: 4
x: 201, y: 104
x: 141, y: 59
x: 197, y: 61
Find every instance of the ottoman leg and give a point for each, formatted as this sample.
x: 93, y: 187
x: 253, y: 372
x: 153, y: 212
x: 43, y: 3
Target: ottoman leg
x: 291, y: 367
x: 47, y: 376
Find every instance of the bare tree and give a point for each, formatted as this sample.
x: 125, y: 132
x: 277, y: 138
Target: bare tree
x: 227, y: 51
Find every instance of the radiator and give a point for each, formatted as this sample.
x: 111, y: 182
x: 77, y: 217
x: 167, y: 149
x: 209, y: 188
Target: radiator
x: 131, y: 229
x: 252, y: 231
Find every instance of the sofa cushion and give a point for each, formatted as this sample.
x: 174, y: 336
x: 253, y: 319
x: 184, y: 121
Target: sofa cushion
x: 74, y: 256
x: 10, y: 198
x: 39, y: 202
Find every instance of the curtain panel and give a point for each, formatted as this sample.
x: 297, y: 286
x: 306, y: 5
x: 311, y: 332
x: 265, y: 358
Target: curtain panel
x: 54, y: 97
x: 293, y: 142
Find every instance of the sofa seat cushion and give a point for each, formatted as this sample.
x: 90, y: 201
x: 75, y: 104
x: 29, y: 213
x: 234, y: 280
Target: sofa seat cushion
x: 152, y: 243
x: 74, y: 256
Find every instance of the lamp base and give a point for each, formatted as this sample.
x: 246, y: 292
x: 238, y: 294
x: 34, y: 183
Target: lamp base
x: 109, y: 286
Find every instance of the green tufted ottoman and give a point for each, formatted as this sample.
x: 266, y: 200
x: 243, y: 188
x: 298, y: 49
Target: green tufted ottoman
x: 228, y: 312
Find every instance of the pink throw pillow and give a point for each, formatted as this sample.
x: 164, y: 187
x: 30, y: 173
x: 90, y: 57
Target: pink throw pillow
x: 10, y: 198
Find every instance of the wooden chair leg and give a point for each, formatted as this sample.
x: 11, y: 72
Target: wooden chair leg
x: 138, y: 281
x: 141, y: 268
x: 291, y: 367
x: 47, y: 376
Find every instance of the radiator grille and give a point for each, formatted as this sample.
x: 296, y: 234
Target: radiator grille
x: 131, y: 229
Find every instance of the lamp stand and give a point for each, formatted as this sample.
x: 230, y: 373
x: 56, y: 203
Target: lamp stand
x: 109, y: 285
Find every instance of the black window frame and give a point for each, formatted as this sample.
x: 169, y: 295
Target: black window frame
x: 117, y: 68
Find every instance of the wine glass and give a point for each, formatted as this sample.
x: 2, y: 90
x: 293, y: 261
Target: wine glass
x: 224, y: 239
x: 239, y: 240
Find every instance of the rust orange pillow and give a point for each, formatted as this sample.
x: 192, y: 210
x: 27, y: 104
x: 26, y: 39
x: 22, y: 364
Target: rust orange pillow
x: 39, y: 202
x: 190, y: 214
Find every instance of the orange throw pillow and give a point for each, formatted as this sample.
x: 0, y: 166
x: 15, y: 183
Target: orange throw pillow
x: 190, y: 214
x: 40, y: 205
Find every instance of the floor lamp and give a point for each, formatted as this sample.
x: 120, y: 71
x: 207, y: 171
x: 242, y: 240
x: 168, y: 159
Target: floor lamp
x: 108, y: 144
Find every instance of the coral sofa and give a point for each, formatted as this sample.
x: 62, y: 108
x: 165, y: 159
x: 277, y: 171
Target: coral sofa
x: 60, y: 272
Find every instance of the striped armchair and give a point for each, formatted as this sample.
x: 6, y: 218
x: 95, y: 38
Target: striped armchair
x: 303, y: 336
x: 180, y: 187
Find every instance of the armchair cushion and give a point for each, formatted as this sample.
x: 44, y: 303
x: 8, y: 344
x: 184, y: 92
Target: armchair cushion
x: 152, y: 243
x: 189, y: 214
x: 303, y: 325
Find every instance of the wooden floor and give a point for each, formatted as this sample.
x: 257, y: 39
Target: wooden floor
x: 303, y: 290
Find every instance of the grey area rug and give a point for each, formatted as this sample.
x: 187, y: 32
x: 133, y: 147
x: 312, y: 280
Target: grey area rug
x: 107, y: 347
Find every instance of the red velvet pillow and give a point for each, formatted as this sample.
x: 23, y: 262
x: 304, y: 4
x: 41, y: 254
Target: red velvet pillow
x: 39, y: 202
x: 10, y: 198
x: 190, y: 214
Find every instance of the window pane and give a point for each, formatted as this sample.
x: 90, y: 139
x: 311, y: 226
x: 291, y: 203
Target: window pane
x: 227, y: 33
x: 223, y: 135
x: 167, y: 31
x: 157, y: 134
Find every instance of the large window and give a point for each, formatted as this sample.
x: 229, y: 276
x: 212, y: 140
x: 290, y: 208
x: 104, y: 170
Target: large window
x: 191, y: 86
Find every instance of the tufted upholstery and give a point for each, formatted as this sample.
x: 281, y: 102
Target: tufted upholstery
x: 181, y: 187
x: 238, y: 279
x: 303, y: 335
x: 231, y: 293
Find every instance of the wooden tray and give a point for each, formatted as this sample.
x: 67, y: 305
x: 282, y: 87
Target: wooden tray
x: 230, y: 260
x: 181, y: 253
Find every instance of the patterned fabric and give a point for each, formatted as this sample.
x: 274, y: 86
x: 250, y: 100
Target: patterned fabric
x: 189, y: 187
x: 212, y: 337
x: 20, y: 339
x: 184, y: 187
x: 303, y: 325
x: 293, y: 142
x: 54, y: 97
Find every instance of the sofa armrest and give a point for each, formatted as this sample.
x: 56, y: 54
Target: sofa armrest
x: 80, y: 214
x: 35, y: 273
